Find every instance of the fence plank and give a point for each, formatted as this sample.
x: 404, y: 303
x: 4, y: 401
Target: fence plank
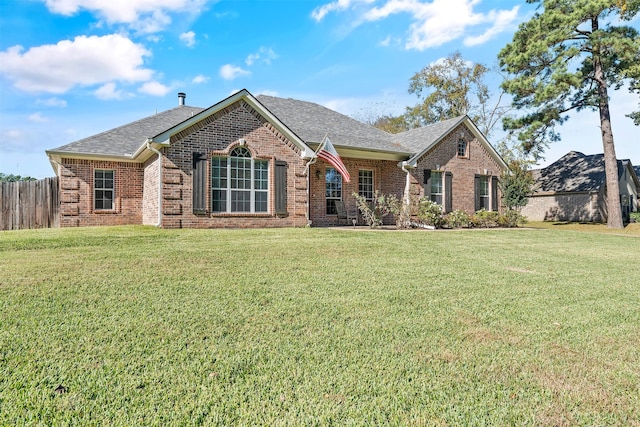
x: 29, y: 204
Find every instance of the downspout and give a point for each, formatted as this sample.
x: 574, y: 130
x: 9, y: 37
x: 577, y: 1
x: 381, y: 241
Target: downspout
x: 159, y: 224
x: 407, y: 194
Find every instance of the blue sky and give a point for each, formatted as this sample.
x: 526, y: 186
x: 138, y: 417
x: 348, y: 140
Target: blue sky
x: 73, y: 68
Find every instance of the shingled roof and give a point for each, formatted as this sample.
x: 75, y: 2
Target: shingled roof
x: 125, y: 140
x: 308, y: 121
x: 573, y: 172
x: 312, y: 121
x: 419, y: 139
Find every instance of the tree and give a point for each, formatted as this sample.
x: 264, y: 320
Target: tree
x: 14, y: 178
x: 516, y: 184
x: 562, y: 59
x: 454, y: 87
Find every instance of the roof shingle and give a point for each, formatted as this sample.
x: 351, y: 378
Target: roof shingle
x: 125, y: 140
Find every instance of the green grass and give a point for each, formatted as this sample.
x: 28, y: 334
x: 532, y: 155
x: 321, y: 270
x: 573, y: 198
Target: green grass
x: 139, y: 326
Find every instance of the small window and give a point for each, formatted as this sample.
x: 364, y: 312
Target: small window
x: 333, y: 188
x: 103, y: 186
x: 484, y: 193
x: 365, y: 184
x: 436, y: 187
x: 462, y: 148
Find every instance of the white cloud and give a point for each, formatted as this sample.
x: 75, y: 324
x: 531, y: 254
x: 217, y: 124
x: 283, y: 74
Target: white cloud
x: 154, y: 88
x: 52, y: 102
x: 339, y: 5
x: 188, y: 38
x: 146, y: 16
x: 38, y: 118
x: 200, y: 79
x: 502, y: 20
x: 231, y: 72
x: 109, y: 92
x: 435, y: 22
x: 265, y: 54
x: 83, y: 61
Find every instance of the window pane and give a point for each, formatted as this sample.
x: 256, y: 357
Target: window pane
x: 484, y: 192
x: 261, y: 175
x: 333, y: 189
x: 240, y: 201
x: 436, y: 187
x: 219, y: 200
x: 365, y: 184
x: 261, y: 201
x: 237, y: 180
x: 462, y: 148
x: 103, y: 185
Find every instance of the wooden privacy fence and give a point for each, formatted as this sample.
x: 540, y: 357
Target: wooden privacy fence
x: 29, y: 204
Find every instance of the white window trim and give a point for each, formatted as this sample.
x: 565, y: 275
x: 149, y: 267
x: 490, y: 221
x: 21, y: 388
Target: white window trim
x: 228, y: 190
x: 113, y: 190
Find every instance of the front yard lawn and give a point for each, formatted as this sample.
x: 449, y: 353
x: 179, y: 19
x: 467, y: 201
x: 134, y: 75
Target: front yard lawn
x: 140, y: 326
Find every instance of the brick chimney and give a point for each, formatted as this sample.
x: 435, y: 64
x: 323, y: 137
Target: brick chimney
x: 181, y: 97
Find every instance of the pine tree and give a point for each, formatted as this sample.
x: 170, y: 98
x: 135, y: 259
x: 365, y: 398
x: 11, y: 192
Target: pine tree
x: 566, y: 57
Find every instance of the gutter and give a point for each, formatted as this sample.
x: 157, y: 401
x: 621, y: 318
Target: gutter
x: 150, y: 147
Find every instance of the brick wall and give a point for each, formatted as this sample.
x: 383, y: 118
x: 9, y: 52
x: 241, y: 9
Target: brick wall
x: 564, y: 207
x: 150, y: 192
x: 463, y: 169
x: 387, y: 179
x: 76, y: 193
x: 390, y: 179
x: 218, y: 135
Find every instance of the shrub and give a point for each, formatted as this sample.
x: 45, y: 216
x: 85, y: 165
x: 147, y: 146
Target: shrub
x: 458, y: 219
x: 511, y: 218
x: 635, y: 216
x: 430, y: 213
x: 373, y: 211
x: 486, y: 219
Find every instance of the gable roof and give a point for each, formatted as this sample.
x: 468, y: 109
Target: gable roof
x: 420, y: 140
x: 124, y: 141
x: 162, y: 139
x: 574, y: 172
x: 301, y: 122
x: 312, y: 122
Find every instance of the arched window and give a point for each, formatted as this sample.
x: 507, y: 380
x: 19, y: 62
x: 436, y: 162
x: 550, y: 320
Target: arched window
x: 462, y: 148
x: 239, y: 183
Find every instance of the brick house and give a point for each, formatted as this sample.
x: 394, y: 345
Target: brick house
x: 250, y: 162
x: 573, y: 188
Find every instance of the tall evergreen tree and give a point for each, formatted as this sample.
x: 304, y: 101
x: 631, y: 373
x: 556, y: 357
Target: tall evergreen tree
x: 565, y: 58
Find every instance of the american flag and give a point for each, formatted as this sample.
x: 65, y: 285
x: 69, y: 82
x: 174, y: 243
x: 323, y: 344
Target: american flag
x: 328, y: 152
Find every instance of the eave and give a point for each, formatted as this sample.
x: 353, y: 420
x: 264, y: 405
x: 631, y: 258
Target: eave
x: 366, y: 154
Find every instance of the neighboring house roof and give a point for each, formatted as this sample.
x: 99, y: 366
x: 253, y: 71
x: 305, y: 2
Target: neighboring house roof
x: 125, y: 140
x: 574, y: 172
